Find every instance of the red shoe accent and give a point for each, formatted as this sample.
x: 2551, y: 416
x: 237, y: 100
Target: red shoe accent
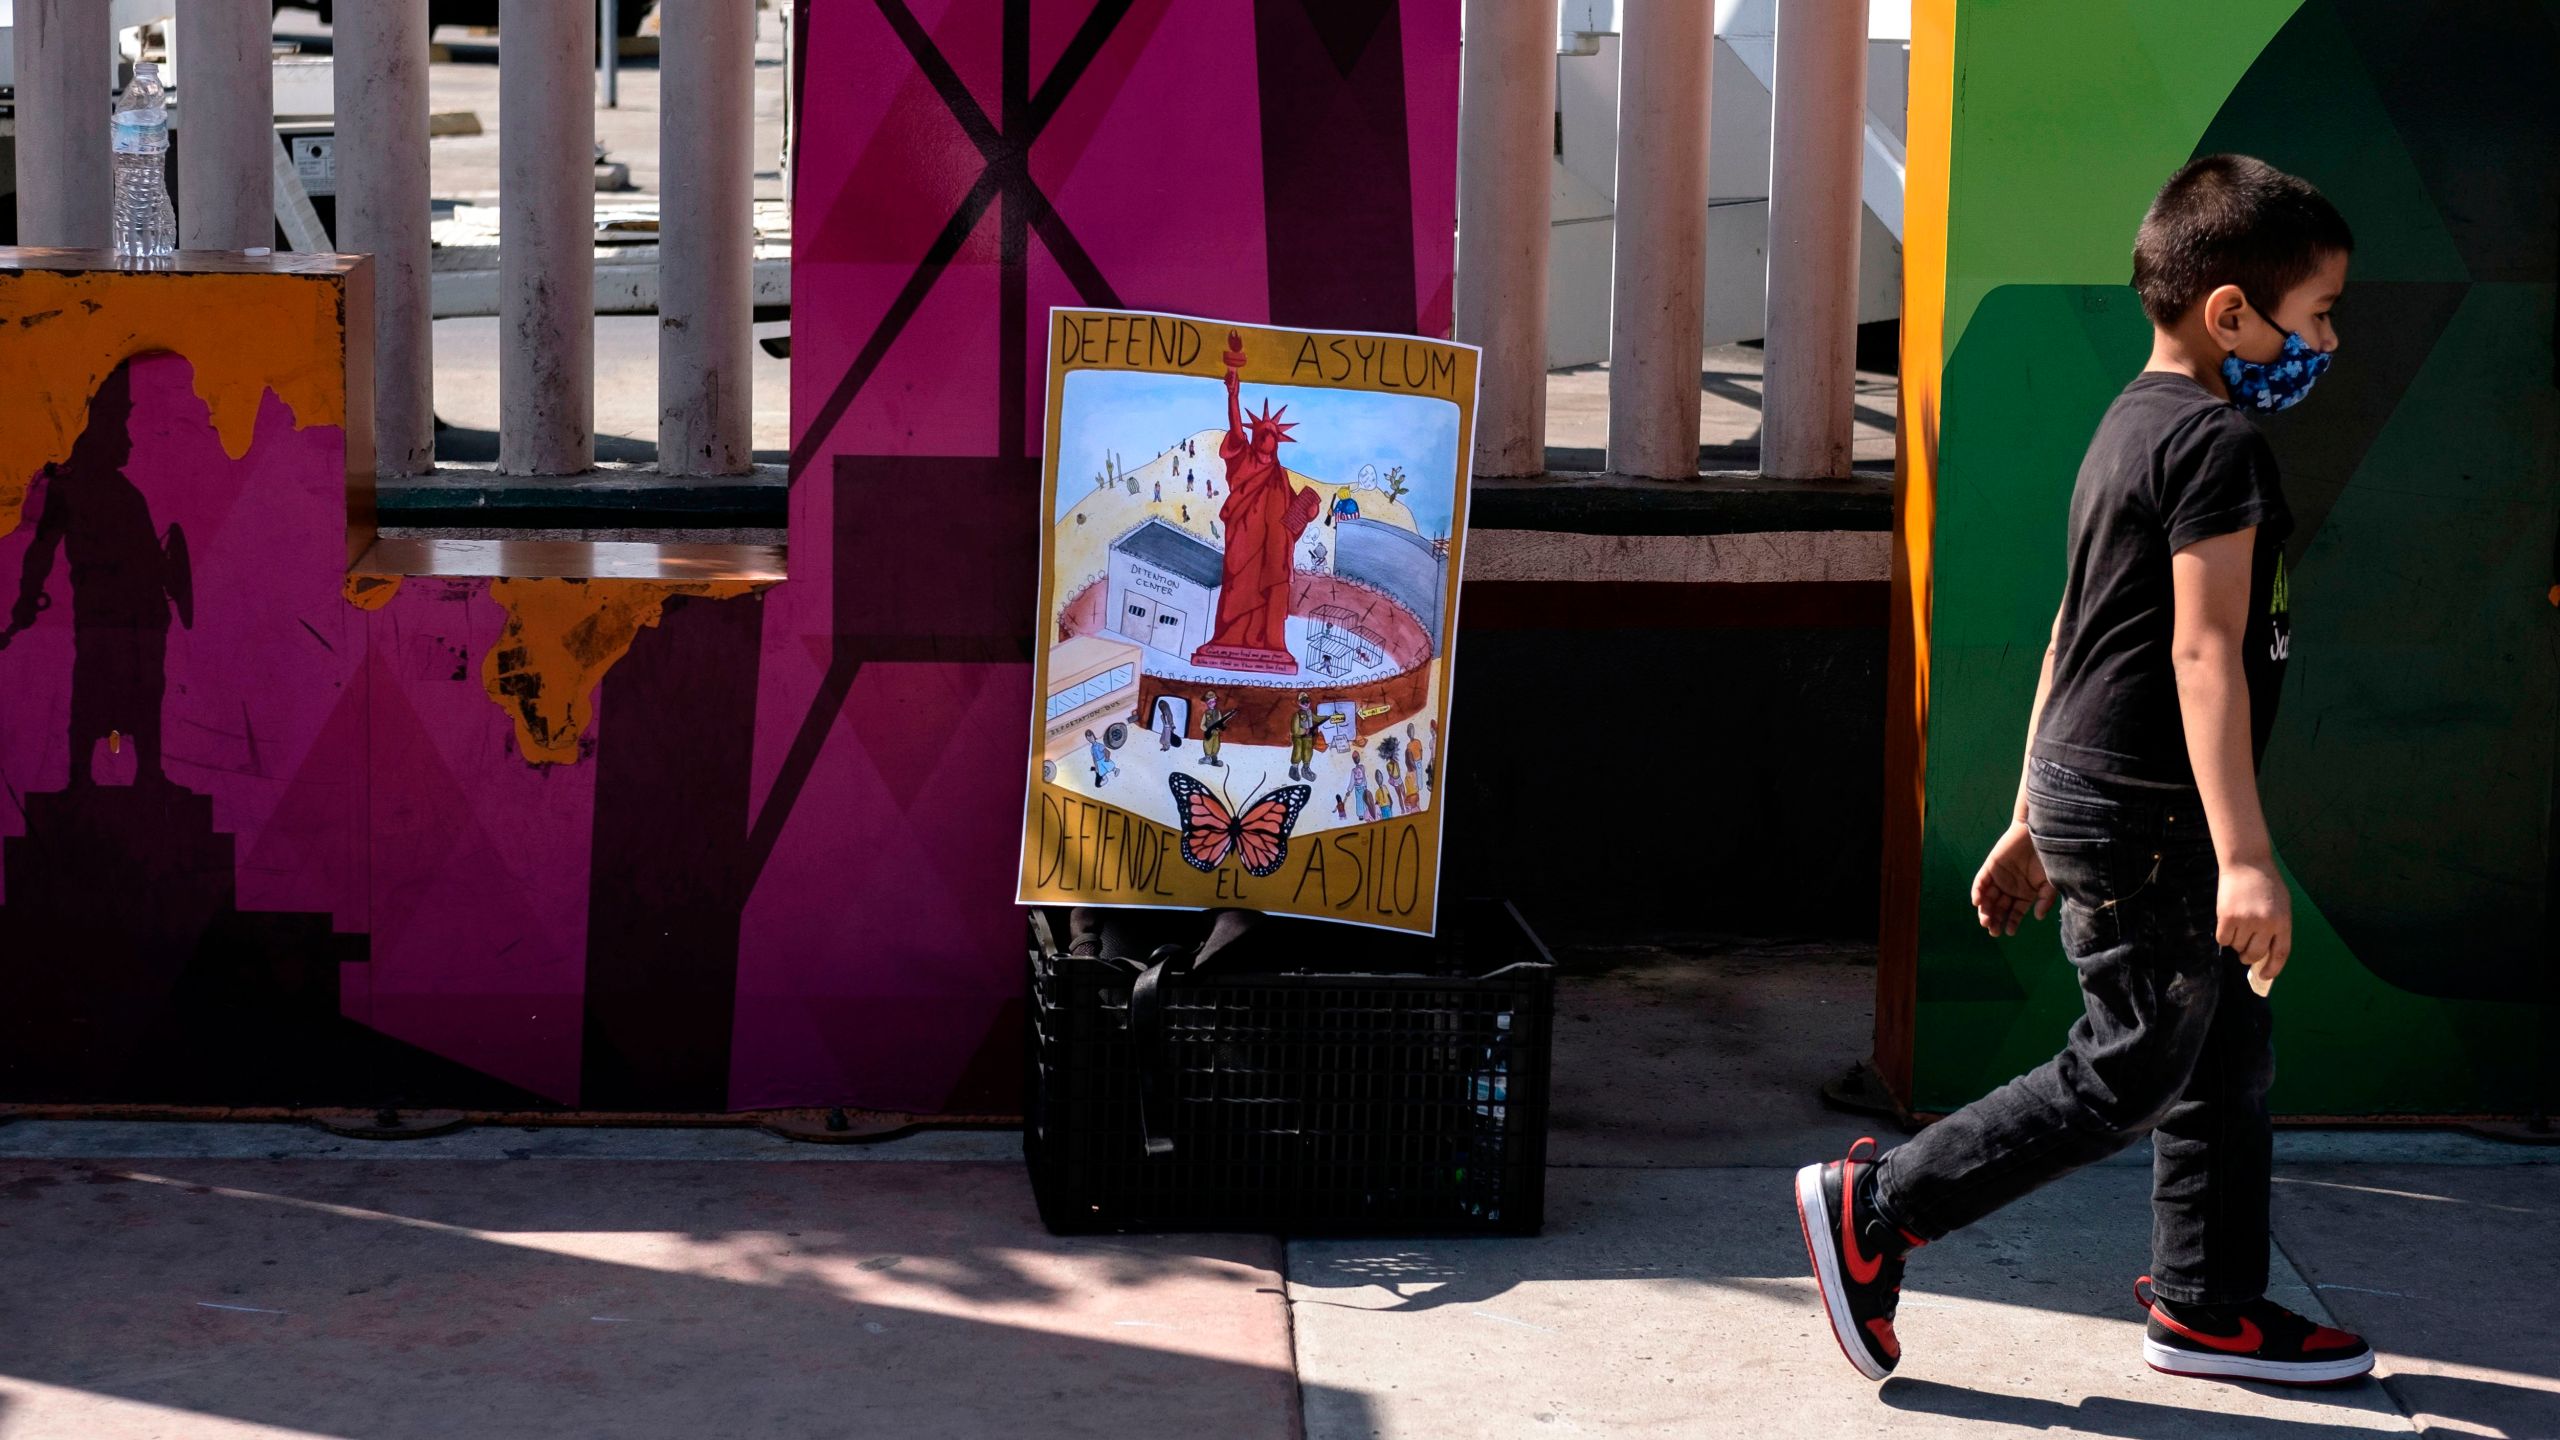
x: 1862, y: 1268
x: 2247, y: 1340
x: 1882, y: 1329
x: 1804, y: 1224
x: 1914, y: 1241
x: 2324, y: 1338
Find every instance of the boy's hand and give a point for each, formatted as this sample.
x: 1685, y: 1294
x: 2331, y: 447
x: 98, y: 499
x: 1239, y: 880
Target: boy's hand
x: 2011, y: 883
x: 2253, y: 914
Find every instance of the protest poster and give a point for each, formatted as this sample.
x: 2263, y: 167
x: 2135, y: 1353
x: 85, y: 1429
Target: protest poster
x: 1249, y: 571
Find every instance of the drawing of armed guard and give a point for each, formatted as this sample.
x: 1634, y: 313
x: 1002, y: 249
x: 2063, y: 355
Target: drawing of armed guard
x: 125, y: 579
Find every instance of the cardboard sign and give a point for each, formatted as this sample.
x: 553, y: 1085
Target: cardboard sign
x: 1248, y: 590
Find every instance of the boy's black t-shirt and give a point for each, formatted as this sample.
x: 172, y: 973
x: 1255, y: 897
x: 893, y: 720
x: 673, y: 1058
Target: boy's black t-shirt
x: 2169, y: 466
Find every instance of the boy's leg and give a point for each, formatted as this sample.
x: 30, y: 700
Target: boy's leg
x: 2137, y: 881
x: 2208, y: 1314
x: 2212, y: 1160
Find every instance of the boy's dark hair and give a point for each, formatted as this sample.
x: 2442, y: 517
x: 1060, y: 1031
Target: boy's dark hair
x: 2232, y: 220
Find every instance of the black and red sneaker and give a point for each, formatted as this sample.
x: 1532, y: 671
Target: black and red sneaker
x: 1857, y: 1257
x: 2260, y: 1340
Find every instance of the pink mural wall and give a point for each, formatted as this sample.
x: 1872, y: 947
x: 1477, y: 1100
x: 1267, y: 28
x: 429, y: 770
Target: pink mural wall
x: 771, y: 863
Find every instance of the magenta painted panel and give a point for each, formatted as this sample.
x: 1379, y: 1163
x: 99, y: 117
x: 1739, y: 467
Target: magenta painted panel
x: 271, y: 733
x: 779, y: 871
x: 480, y: 860
x: 1245, y: 158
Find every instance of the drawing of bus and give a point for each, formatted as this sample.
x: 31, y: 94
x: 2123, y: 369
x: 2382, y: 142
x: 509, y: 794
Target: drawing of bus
x: 1093, y: 685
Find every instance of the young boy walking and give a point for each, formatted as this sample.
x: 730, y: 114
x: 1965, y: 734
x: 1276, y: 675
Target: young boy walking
x: 2138, y: 809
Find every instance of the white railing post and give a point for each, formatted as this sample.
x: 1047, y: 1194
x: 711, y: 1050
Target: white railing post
x: 706, y: 237
x: 1817, y: 143
x: 383, y: 211
x: 1656, y: 297
x: 65, y: 79
x: 1506, y: 146
x: 226, y: 114
x: 546, y: 219
x: 609, y: 48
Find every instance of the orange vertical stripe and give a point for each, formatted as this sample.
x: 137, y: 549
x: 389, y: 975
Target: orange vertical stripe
x: 1930, y: 135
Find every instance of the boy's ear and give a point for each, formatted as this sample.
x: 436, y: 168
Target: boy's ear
x: 2223, y: 309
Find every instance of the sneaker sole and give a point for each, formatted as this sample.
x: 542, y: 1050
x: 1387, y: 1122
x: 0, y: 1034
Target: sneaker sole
x: 2197, y: 1365
x: 1826, y: 1275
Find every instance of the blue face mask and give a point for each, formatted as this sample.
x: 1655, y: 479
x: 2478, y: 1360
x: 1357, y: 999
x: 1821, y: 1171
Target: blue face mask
x: 2277, y: 384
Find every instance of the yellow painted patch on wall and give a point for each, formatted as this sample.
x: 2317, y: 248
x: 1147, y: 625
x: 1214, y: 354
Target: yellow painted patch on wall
x: 244, y: 334
x: 561, y: 637
x: 371, y: 592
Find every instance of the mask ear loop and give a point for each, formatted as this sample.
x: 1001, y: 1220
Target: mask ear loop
x: 2250, y: 304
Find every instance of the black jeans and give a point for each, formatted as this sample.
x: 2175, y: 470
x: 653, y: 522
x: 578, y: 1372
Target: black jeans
x: 2173, y: 1043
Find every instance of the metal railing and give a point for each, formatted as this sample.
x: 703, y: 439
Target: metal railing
x: 547, y: 81
x: 1821, y: 145
x: 547, y: 302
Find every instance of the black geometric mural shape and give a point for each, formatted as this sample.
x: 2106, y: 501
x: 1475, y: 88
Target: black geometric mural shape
x: 129, y: 974
x: 2388, y: 330
x: 667, y: 895
x: 1337, y: 190
x: 1345, y: 27
x: 2474, y: 88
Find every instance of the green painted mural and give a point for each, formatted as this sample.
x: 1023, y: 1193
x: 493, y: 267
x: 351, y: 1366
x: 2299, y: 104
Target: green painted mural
x: 2411, y: 781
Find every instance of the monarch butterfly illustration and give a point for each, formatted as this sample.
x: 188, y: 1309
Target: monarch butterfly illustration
x: 1258, y: 835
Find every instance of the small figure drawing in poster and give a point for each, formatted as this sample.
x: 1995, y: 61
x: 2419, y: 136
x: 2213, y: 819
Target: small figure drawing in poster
x: 1385, y: 797
x: 1159, y: 492
x: 1168, y: 731
x: 1213, y: 729
x: 1344, y: 507
x: 1103, y: 765
x: 1190, y: 478
x: 1416, y: 765
x: 1391, y: 763
x: 1258, y: 834
x: 1302, y: 738
x: 1368, y: 805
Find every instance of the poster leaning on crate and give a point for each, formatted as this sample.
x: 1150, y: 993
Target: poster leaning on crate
x: 1249, y: 570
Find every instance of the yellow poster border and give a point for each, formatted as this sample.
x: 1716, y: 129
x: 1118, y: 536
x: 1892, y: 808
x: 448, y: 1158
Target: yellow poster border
x: 1137, y: 857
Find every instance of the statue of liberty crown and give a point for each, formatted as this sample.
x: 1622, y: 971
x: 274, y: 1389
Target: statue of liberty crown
x: 1268, y: 421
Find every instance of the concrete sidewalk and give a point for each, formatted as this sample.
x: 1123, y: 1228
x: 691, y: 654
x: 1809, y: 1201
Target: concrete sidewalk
x: 166, y: 1280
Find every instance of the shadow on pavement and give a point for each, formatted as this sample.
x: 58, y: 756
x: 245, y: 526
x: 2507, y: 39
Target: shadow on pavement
x: 2107, y: 1415
x: 407, y: 1300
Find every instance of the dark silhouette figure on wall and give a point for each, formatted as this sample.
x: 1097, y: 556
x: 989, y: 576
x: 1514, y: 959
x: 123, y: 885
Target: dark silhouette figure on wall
x: 124, y: 580
x: 128, y: 970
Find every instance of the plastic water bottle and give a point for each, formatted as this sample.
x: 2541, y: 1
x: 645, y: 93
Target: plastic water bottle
x: 146, y: 228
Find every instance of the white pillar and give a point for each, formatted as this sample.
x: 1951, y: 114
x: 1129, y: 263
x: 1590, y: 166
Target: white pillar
x: 706, y: 240
x: 546, y: 220
x: 1817, y: 143
x: 1506, y: 147
x: 226, y: 136
x: 65, y: 90
x: 381, y: 80
x: 1658, y: 281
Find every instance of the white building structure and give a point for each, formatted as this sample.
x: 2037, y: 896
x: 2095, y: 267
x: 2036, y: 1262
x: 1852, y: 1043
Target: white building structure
x: 1161, y: 589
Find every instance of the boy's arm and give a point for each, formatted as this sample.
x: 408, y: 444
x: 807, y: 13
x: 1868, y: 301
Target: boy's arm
x: 2011, y: 882
x: 2253, y: 914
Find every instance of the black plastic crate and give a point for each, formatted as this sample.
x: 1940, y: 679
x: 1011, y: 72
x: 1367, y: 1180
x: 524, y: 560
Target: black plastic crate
x: 1310, y: 1102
